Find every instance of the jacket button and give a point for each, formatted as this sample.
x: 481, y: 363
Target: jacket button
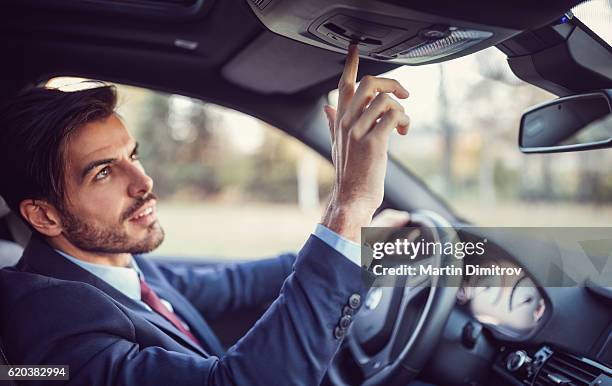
x: 339, y: 332
x: 346, y: 310
x: 345, y: 321
x: 354, y: 301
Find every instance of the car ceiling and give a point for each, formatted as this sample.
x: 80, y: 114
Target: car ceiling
x: 230, y: 40
x: 237, y: 61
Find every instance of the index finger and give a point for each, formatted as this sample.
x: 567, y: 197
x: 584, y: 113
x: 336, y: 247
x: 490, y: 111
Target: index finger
x: 346, y: 86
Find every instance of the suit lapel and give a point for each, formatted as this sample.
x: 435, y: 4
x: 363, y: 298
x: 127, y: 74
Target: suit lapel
x: 167, y: 327
x: 40, y: 258
x: 182, y: 307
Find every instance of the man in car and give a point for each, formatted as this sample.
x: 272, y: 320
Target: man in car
x: 82, y: 296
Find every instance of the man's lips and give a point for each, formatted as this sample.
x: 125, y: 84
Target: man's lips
x: 144, y: 215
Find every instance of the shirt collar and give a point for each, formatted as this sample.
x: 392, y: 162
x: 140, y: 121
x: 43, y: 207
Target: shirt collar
x: 124, y: 279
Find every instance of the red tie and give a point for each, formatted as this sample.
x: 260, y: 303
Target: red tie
x: 152, y: 300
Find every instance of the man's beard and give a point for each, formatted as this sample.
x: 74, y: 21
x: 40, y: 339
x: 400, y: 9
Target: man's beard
x: 91, y: 238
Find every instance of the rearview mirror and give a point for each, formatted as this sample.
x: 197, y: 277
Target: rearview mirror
x: 577, y: 122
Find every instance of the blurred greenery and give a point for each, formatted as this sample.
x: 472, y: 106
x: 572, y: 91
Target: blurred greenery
x: 467, y: 151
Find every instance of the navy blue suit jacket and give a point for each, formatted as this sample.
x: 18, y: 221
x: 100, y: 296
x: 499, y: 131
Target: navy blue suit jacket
x: 53, y: 312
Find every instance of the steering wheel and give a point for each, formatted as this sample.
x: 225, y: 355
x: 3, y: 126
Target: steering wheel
x: 398, y: 328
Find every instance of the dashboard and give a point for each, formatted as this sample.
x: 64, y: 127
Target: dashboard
x: 539, y: 332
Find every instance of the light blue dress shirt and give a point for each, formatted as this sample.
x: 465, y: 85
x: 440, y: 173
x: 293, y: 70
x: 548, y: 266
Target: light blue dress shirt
x: 344, y: 246
x: 124, y: 279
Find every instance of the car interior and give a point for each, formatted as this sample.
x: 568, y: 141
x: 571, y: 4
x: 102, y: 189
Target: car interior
x: 277, y: 60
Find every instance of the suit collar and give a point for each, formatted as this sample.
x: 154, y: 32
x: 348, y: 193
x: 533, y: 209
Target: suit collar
x: 124, y: 279
x: 39, y: 257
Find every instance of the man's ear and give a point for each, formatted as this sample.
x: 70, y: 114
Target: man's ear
x: 42, y: 216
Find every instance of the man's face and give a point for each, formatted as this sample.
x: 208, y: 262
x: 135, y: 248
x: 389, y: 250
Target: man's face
x: 109, y: 205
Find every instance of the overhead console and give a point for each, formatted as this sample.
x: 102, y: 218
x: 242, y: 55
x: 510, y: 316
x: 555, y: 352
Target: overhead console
x: 383, y: 31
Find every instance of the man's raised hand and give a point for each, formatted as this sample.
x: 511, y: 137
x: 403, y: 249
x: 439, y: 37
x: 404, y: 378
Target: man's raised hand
x: 360, y: 131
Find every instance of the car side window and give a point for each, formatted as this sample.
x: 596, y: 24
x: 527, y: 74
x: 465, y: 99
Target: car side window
x: 230, y: 186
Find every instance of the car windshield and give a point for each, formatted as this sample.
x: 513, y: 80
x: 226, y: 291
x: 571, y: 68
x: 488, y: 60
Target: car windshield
x: 597, y: 15
x: 463, y: 144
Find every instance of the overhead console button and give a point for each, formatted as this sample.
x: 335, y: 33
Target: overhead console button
x: 372, y: 36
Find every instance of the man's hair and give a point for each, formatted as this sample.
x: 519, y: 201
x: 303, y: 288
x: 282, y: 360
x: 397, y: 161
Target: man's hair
x: 34, y: 129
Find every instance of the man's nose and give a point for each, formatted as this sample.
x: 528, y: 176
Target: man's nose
x: 140, y: 183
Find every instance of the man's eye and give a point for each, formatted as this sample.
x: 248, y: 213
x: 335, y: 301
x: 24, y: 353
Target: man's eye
x: 135, y: 156
x: 102, y: 174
